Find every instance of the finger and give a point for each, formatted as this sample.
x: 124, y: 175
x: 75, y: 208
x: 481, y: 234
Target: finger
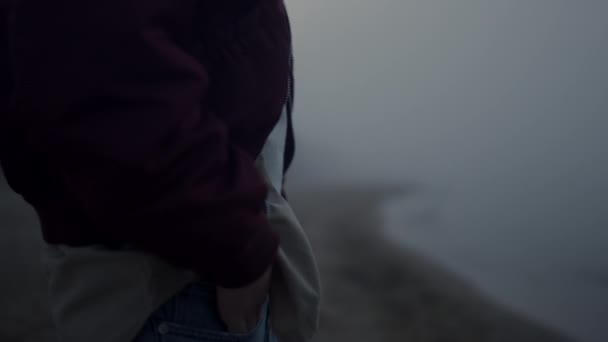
x: 237, y: 327
x: 252, y: 323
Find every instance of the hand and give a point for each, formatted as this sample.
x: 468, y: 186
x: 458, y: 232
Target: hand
x: 240, y: 308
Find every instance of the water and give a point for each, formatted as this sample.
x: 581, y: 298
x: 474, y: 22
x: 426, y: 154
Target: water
x: 497, y: 112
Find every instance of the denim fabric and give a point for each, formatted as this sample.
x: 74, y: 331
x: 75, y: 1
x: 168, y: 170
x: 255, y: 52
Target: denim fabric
x: 191, y: 315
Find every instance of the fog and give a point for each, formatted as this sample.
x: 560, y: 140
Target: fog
x: 495, y: 113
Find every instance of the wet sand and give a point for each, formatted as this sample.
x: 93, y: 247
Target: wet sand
x: 373, y: 290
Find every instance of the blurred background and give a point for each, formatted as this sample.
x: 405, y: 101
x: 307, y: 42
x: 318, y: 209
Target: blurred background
x: 451, y: 170
x: 496, y: 112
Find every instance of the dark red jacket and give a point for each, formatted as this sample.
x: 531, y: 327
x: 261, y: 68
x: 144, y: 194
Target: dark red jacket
x: 137, y: 122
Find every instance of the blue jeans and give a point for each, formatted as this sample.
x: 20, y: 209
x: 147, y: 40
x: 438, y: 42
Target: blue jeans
x: 191, y: 315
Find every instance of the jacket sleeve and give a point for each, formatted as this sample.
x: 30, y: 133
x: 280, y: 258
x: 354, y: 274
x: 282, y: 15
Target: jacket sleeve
x: 5, y: 77
x: 119, y: 108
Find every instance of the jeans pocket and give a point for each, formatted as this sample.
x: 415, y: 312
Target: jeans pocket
x: 173, y: 332
x: 195, y: 318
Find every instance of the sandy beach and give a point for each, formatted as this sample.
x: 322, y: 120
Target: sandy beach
x: 373, y: 290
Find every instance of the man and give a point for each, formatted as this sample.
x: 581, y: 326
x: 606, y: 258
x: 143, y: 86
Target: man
x: 151, y: 137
